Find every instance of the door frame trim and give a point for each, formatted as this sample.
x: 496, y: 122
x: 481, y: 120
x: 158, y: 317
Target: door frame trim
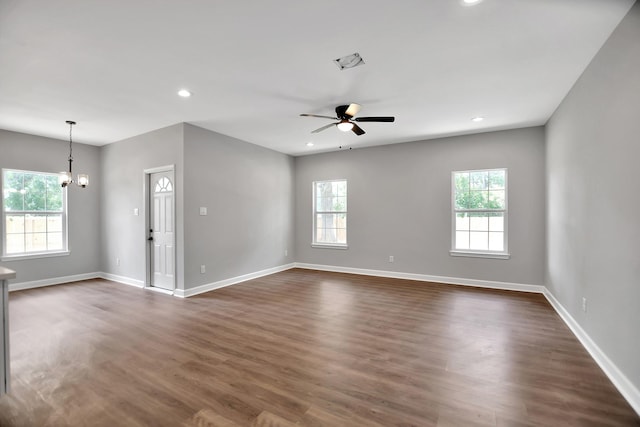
x: 146, y: 210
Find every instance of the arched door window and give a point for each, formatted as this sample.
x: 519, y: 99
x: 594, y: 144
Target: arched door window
x: 163, y: 185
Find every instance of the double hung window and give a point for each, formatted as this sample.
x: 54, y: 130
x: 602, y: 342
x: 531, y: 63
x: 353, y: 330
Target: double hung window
x: 480, y: 213
x: 34, y: 217
x: 330, y: 213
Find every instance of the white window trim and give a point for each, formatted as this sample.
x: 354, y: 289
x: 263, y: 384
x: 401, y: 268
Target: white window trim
x: 34, y: 255
x: 479, y: 254
x: 471, y: 253
x: 329, y: 246
x: 314, y: 213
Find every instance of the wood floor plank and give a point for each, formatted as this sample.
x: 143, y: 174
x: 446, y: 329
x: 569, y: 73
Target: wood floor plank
x: 267, y: 419
x: 209, y: 418
x: 300, y: 348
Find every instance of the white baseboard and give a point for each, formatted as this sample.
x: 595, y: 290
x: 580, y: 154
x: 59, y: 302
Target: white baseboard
x: 20, y: 286
x: 122, y: 279
x: 427, y: 278
x: 184, y: 293
x: 628, y: 390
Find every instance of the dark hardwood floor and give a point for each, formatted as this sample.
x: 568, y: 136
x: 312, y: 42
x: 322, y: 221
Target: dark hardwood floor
x: 300, y: 348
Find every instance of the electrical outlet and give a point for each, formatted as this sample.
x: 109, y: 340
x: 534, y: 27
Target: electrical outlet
x: 584, y: 304
x: 391, y: 259
x: 286, y: 252
x: 203, y: 269
x: 117, y: 261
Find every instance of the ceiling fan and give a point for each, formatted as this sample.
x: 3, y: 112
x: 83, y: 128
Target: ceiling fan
x: 345, y: 116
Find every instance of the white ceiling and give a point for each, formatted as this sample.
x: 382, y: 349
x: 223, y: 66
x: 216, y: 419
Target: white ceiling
x: 253, y: 66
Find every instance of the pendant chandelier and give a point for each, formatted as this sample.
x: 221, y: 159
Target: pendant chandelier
x: 66, y: 178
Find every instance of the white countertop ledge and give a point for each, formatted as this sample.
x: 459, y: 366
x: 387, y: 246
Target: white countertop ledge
x: 6, y: 274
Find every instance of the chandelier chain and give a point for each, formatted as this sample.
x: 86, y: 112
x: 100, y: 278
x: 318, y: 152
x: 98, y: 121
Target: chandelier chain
x: 70, y: 142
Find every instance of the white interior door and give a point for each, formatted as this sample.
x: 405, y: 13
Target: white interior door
x: 161, y: 231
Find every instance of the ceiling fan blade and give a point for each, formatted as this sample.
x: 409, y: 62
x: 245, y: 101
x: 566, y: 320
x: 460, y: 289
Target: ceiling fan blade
x: 357, y: 130
x: 322, y: 117
x: 352, y: 110
x: 323, y: 128
x: 375, y: 119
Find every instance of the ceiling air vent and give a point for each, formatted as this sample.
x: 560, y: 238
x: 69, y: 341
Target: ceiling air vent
x: 349, y: 61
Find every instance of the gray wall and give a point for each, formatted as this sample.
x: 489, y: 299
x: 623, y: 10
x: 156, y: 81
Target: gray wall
x: 123, y: 235
x: 29, y: 152
x: 400, y: 204
x: 248, y: 192
x: 593, y: 198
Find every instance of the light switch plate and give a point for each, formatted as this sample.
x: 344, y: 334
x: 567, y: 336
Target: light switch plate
x: 203, y: 211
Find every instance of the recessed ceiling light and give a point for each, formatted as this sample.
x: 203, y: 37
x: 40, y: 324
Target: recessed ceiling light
x: 309, y: 144
x: 470, y: 2
x: 477, y: 119
x: 184, y: 93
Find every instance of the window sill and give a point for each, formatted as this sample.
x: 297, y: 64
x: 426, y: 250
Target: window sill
x: 476, y: 254
x: 34, y: 256
x: 328, y: 246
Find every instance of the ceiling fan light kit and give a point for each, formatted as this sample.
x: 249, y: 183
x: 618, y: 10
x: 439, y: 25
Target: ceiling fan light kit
x: 345, y: 119
x: 345, y: 125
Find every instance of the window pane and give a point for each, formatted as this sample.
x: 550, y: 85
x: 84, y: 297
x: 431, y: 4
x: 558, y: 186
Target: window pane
x: 342, y: 188
x: 54, y: 223
x: 15, y: 243
x: 340, y: 204
x: 13, y: 191
x: 15, y: 223
x: 497, y: 179
x: 35, y: 223
x: 324, y: 189
x: 462, y: 190
x: 478, y: 240
x: 496, y: 199
x: 479, y: 222
x: 478, y: 199
x: 35, y: 242
x: 324, y: 221
x: 462, y: 221
x: 496, y: 241
x: 35, y: 192
x: 163, y: 185
x: 54, y: 194
x: 54, y: 241
x: 462, y: 240
x: 462, y: 199
x: 496, y: 222
x: 479, y: 180
x: 324, y: 204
